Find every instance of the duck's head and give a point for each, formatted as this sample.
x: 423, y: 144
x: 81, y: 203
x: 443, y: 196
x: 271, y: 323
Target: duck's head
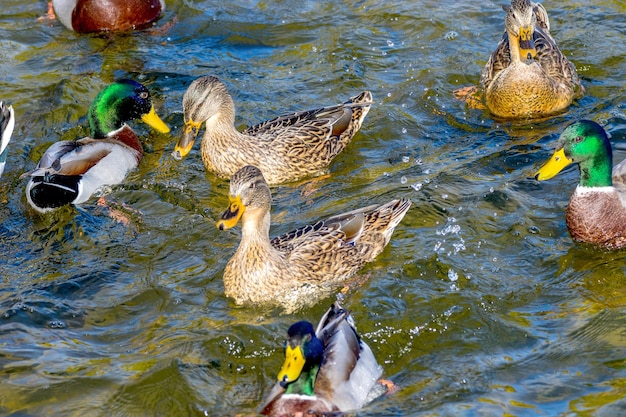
x: 303, y: 355
x: 520, y: 23
x: 205, y: 97
x: 249, y: 193
x: 584, y: 142
x: 120, y: 102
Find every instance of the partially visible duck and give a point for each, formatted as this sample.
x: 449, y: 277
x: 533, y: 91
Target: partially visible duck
x: 7, y: 123
x: 596, y: 212
x: 69, y: 172
x: 329, y: 370
x: 86, y: 16
x: 299, y: 267
x: 287, y: 148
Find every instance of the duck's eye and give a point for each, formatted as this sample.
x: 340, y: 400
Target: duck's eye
x: 143, y: 95
x: 252, y: 185
x: 578, y: 139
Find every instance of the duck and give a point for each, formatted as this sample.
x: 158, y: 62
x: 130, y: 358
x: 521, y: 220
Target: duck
x: 299, y: 267
x: 596, y: 212
x: 527, y: 76
x: 70, y: 171
x: 89, y: 16
x: 326, y: 370
x: 7, y: 123
x: 286, y: 148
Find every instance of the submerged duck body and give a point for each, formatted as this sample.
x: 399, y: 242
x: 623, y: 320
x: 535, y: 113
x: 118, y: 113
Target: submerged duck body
x: 7, y: 123
x: 286, y: 148
x: 527, y: 75
x: 326, y: 370
x: 596, y: 212
x: 87, y: 16
x: 69, y: 172
x: 306, y: 264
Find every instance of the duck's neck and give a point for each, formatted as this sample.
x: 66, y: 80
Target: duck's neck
x: 305, y: 384
x: 255, y: 229
x: 223, y: 123
x: 597, y: 171
x: 103, y: 119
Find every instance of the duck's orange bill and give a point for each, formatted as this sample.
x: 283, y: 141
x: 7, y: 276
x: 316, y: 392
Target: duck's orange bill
x: 186, y: 141
x: 555, y: 165
x: 526, y: 43
x: 232, y: 215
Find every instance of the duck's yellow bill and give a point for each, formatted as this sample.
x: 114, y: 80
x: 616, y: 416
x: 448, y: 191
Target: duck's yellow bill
x: 526, y: 43
x: 154, y: 121
x: 294, y: 362
x: 555, y: 165
x: 232, y: 215
x: 186, y: 141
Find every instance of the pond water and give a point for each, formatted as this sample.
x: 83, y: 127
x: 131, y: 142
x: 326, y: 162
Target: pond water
x: 481, y: 304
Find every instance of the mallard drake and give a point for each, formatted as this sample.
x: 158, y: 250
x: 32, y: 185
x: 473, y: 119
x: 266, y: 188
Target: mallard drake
x: 286, y: 148
x: 86, y: 16
x: 7, y: 123
x: 69, y: 172
x: 330, y: 369
x: 596, y: 212
x: 303, y: 265
x: 527, y: 75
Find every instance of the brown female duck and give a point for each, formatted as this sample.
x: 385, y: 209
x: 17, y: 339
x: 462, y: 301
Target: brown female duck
x: 527, y: 75
x: 286, y: 148
x: 299, y: 267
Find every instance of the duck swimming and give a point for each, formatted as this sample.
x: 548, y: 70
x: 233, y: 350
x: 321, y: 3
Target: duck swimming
x: 301, y: 266
x: 527, y: 76
x: 596, y: 212
x: 330, y: 369
x: 70, y: 171
x: 286, y: 148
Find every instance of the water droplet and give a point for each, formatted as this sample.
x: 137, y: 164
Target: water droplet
x: 451, y: 35
x: 403, y: 180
